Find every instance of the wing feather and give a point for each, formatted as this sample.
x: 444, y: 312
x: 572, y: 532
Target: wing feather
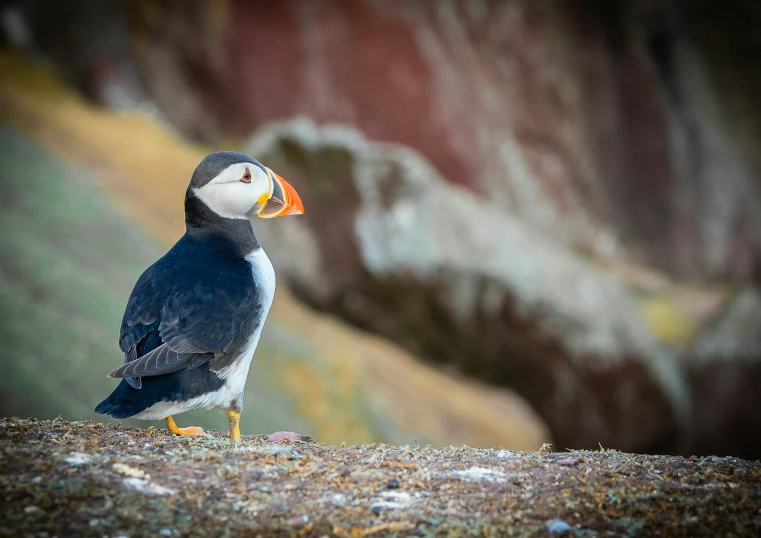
x: 185, y: 320
x: 160, y: 361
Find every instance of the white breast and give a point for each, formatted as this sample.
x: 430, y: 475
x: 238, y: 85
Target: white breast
x: 235, y: 374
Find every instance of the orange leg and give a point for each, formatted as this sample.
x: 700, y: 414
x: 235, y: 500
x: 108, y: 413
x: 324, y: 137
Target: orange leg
x: 191, y: 431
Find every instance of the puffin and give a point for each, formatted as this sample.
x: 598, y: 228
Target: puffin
x: 194, y: 318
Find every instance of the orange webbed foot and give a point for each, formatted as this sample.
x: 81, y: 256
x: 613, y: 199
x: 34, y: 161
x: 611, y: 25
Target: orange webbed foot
x: 190, y: 431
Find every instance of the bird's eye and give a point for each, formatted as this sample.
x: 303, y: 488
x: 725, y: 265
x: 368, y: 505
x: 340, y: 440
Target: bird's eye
x: 246, y: 178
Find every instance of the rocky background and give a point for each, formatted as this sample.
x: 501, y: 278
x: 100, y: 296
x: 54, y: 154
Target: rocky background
x: 561, y: 199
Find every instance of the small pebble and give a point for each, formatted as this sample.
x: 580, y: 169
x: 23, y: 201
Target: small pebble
x: 346, y: 473
x: 377, y: 510
x: 558, y: 526
x: 393, y: 484
x: 31, y: 509
x: 692, y: 458
x: 280, y: 436
x: 165, y: 532
x: 77, y: 458
x: 569, y: 462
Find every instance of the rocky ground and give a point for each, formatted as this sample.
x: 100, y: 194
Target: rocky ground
x: 87, y: 479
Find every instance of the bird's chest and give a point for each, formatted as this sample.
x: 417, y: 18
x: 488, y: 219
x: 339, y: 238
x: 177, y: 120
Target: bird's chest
x: 263, y: 276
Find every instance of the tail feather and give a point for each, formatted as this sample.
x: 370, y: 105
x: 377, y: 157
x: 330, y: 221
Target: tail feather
x: 121, y: 403
x: 126, y: 401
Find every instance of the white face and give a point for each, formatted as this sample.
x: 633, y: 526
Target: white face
x: 237, y: 192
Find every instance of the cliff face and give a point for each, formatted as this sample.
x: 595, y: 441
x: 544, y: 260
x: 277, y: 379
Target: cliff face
x: 623, y: 129
x: 601, y: 124
x: 569, y: 200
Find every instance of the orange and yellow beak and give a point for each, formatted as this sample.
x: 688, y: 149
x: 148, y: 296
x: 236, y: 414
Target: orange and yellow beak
x: 283, y: 199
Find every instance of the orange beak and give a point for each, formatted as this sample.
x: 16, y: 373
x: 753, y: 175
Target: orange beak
x: 282, y: 201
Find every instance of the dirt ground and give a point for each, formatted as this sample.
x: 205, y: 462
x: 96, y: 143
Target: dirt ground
x: 62, y: 478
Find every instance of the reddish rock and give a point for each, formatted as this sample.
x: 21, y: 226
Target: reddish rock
x: 621, y: 129
x: 597, y: 125
x: 284, y: 436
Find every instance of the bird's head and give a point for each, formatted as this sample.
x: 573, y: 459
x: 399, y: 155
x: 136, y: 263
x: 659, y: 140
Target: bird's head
x: 235, y: 186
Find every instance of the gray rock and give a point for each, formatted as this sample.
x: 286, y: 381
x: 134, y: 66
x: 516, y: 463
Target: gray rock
x: 390, y: 244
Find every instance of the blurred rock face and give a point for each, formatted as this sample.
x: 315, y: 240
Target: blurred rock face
x: 725, y: 369
x: 600, y: 125
x: 410, y: 256
x: 526, y: 135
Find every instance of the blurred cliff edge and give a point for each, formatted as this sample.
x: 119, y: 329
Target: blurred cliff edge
x: 548, y: 213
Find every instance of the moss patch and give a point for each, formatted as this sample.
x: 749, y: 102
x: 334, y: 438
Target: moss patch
x: 669, y: 321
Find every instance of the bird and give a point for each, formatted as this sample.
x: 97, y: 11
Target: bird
x: 193, y: 320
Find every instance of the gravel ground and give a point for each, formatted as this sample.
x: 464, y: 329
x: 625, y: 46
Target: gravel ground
x: 62, y: 478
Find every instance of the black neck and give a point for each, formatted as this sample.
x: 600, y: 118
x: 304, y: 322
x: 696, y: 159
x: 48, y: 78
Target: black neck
x: 200, y: 220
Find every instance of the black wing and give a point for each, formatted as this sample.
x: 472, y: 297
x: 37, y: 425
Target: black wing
x: 140, y: 322
x: 161, y: 360
x: 183, y: 319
